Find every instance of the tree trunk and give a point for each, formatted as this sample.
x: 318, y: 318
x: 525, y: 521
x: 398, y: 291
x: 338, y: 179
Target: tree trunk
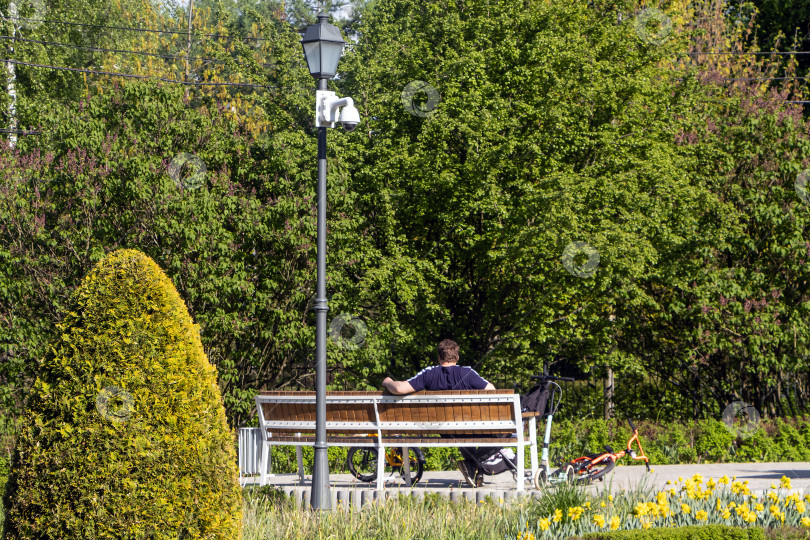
x: 609, y: 394
x: 12, y: 77
x: 188, y: 45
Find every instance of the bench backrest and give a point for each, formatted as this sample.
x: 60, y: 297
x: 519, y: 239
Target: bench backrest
x: 457, y: 411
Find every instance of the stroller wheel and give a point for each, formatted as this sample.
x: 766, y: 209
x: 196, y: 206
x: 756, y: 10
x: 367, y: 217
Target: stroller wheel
x: 540, y: 479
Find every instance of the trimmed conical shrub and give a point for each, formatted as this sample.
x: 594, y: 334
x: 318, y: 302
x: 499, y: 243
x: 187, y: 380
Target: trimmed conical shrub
x: 125, y: 434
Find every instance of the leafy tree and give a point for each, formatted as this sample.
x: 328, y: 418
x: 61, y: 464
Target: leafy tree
x: 238, y: 240
x: 553, y: 127
x: 782, y: 25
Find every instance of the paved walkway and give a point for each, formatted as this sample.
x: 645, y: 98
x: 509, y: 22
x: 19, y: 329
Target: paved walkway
x: 347, y: 490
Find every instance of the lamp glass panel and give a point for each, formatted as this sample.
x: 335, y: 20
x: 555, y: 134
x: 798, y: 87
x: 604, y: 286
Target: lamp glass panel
x: 312, y: 51
x: 331, y: 52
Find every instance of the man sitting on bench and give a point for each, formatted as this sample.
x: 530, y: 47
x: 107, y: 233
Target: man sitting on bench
x: 449, y: 376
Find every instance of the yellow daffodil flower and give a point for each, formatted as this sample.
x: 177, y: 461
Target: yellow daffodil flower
x: 574, y: 512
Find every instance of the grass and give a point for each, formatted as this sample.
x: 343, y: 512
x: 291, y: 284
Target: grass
x: 270, y: 514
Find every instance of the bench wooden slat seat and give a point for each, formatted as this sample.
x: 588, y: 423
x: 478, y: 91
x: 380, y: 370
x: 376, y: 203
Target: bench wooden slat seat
x: 432, y: 419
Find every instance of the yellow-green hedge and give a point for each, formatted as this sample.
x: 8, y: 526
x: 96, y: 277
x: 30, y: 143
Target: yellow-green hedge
x: 125, y: 433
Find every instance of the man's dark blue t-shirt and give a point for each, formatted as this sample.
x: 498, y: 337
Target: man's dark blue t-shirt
x: 447, y: 378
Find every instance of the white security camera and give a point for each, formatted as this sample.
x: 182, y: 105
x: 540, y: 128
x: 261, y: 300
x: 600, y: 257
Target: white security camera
x: 330, y: 109
x: 349, y: 117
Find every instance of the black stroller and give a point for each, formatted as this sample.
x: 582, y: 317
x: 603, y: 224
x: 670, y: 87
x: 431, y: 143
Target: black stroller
x: 490, y: 461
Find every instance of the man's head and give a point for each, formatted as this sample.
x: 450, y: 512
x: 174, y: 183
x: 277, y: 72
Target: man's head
x: 448, y: 351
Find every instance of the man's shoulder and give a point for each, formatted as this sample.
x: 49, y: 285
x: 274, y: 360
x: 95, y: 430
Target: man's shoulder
x: 464, y: 368
x: 425, y: 371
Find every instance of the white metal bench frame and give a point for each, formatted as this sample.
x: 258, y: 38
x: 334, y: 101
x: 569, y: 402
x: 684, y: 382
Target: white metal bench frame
x: 515, y: 426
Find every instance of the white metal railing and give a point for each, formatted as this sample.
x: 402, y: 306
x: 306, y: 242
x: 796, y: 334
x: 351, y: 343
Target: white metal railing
x: 250, y: 453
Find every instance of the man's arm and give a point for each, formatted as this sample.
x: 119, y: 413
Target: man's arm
x: 489, y: 386
x: 397, y: 387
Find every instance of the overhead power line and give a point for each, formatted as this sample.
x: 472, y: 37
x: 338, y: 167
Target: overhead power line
x: 750, y: 52
x: 349, y: 45
x: 19, y: 132
x: 123, y: 51
x: 131, y: 76
x: 265, y: 64
x: 132, y: 29
x: 794, y: 77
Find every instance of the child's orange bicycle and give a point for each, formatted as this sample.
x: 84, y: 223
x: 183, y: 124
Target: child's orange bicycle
x: 586, y: 469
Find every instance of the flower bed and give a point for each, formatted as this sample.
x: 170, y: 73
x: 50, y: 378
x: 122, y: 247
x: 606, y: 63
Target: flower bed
x: 691, y: 502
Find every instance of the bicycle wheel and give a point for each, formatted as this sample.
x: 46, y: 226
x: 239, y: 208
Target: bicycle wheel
x: 586, y: 470
x: 362, y: 463
x: 416, y: 466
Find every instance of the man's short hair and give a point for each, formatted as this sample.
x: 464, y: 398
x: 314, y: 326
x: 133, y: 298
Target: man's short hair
x: 448, y: 351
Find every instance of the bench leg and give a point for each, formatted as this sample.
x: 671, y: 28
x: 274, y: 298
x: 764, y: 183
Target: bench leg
x: 299, y: 457
x: 406, y: 466
x: 263, y: 466
x: 533, y: 439
x: 380, y: 467
x: 521, y: 467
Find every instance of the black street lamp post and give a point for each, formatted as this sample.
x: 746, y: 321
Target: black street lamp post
x: 323, y: 46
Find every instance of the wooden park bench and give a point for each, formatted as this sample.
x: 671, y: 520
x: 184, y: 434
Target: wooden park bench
x: 418, y: 419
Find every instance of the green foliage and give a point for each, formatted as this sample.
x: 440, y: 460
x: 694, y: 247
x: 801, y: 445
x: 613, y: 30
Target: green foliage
x: 713, y: 440
x: 124, y: 433
x: 441, y: 459
x: 240, y: 247
x: 557, y: 123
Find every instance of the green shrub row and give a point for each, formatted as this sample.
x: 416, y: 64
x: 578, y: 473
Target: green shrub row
x: 707, y: 532
x: 704, y: 441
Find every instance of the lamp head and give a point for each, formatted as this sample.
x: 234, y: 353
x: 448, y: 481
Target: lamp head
x: 323, y: 46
